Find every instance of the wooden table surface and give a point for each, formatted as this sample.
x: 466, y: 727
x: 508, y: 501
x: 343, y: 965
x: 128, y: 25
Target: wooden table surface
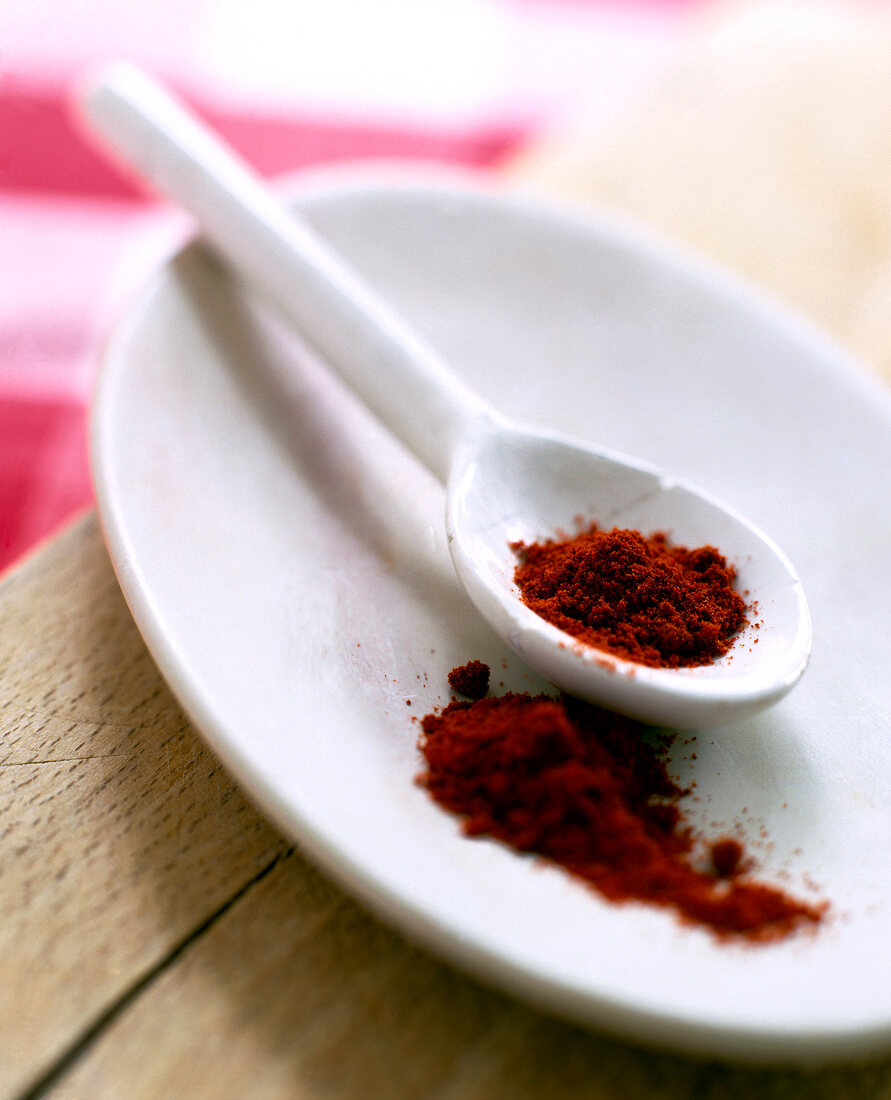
x: 158, y: 938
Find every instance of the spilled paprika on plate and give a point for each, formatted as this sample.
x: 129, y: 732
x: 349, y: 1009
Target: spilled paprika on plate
x: 471, y: 679
x: 590, y: 790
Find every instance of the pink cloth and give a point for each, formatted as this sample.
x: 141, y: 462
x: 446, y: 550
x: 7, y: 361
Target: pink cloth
x: 77, y: 239
x: 47, y: 350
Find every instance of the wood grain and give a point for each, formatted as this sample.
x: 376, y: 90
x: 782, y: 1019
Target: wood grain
x: 159, y: 939
x: 120, y: 832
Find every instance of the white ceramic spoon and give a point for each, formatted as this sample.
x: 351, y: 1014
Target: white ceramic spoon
x: 504, y: 482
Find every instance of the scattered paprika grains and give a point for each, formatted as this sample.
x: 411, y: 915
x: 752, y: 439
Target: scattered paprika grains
x: 590, y: 791
x: 633, y: 595
x: 727, y: 857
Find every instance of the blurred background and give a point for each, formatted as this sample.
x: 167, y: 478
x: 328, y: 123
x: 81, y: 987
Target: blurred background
x: 729, y: 126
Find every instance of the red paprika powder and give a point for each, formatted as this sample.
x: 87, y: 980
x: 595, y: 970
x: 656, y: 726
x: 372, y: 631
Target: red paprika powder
x: 471, y: 679
x: 634, y: 596
x: 590, y: 791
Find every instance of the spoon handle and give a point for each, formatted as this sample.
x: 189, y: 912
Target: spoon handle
x: 398, y: 375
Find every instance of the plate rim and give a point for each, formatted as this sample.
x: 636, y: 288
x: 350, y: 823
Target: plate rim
x: 623, y: 1020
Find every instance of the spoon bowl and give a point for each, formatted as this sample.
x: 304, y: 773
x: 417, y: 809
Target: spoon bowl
x: 504, y: 483
x: 518, y: 485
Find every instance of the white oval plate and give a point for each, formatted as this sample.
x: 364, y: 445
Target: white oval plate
x: 286, y: 563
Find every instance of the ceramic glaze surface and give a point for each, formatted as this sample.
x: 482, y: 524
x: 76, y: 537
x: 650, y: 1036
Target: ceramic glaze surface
x: 286, y: 561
